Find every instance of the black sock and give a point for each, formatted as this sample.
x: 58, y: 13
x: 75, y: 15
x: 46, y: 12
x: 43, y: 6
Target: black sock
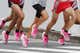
x: 17, y: 30
x: 21, y: 31
x: 4, y: 21
x: 66, y: 30
x: 7, y: 32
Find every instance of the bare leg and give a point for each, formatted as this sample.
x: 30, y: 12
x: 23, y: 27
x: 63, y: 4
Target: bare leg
x: 34, y: 22
x: 52, y: 22
x: 43, y: 18
x: 39, y: 21
x: 12, y: 24
x: 66, y: 19
x: 20, y: 15
x: 9, y: 18
x: 77, y: 12
x: 6, y: 20
x: 70, y: 11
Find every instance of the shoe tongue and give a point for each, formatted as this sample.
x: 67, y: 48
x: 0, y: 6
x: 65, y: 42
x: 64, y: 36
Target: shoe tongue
x: 4, y: 21
x: 61, y: 37
x: 46, y: 35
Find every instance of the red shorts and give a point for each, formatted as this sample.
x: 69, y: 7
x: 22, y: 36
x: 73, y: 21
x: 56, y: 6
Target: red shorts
x: 62, y: 6
x: 18, y: 2
x: 71, y: 3
x: 15, y: 1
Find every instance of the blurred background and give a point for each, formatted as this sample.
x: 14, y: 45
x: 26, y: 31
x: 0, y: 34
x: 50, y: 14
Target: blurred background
x: 30, y: 13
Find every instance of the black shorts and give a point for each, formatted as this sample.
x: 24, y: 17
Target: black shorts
x: 76, y: 8
x: 9, y: 4
x: 38, y: 9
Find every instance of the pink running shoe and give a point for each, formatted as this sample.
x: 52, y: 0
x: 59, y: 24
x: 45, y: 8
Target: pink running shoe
x: 61, y: 41
x: 5, y: 37
x: 34, y: 31
x: 2, y: 23
x: 66, y: 35
x: 17, y: 36
x: 45, y: 38
x: 24, y: 40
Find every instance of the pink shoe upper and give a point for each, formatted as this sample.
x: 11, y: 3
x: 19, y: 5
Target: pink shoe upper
x: 2, y: 23
x: 66, y: 35
x: 5, y: 37
x: 61, y: 41
x: 17, y: 35
x: 34, y: 31
x: 24, y: 40
x: 45, y: 38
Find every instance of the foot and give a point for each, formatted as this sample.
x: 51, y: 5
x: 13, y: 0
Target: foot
x: 17, y: 36
x: 66, y: 35
x: 45, y: 38
x: 61, y: 41
x: 5, y: 37
x: 2, y: 23
x: 24, y: 40
x: 34, y: 31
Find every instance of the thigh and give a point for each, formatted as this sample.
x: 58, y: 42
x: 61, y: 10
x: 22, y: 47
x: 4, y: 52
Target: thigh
x: 77, y: 12
x: 44, y: 14
x: 70, y: 11
x: 12, y: 15
x: 66, y: 16
x: 17, y: 10
x: 54, y: 16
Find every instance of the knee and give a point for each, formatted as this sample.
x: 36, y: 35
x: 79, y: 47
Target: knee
x: 73, y: 16
x: 13, y: 21
x: 45, y: 17
x: 10, y: 17
x: 21, y: 16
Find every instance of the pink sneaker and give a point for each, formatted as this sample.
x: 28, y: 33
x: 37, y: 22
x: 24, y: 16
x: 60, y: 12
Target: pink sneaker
x: 2, y: 23
x: 24, y: 40
x: 17, y: 36
x: 61, y: 41
x: 66, y: 35
x: 5, y: 37
x: 34, y: 31
x: 45, y: 38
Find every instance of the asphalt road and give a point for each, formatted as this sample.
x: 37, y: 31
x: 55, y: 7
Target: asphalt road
x: 36, y: 46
